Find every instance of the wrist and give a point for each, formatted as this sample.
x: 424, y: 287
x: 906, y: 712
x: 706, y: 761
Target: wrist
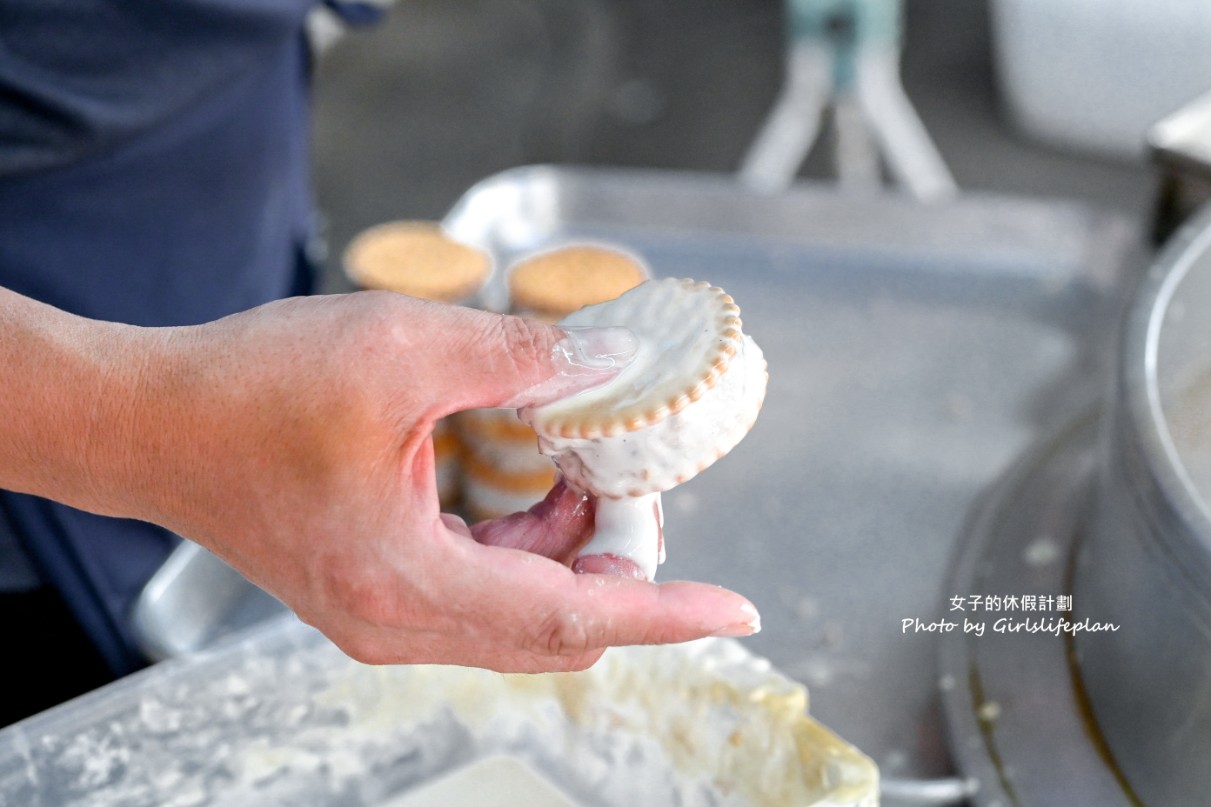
x: 73, y: 383
x: 124, y: 372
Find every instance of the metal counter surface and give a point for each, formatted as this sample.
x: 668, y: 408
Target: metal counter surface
x: 914, y: 352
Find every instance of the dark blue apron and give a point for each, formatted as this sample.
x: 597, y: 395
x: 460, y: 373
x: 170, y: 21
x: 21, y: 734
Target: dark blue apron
x: 153, y: 170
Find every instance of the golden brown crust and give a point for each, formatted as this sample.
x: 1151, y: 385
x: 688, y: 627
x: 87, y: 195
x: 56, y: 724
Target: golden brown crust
x: 538, y: 482
x: 418, y: 259
x: 553, y: 284
x: 446, y: 444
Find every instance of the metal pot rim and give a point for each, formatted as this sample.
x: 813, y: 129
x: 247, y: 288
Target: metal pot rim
x: 1138, y: 386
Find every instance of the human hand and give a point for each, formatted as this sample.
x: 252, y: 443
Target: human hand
x: 294, y: 441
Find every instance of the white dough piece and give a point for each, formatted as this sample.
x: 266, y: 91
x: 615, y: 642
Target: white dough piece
x: 691, y: 393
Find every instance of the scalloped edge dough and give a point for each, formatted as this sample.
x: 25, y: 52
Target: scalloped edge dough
x: 698, y: 380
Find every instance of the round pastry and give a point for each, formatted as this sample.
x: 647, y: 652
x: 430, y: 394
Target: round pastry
x: 489, y: 492
x: 554, y: 283
x: 417, y: 258
x: 691, y: 393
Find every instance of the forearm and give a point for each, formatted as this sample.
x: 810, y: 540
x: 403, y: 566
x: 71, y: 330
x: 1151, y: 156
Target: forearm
x: 67, y: 386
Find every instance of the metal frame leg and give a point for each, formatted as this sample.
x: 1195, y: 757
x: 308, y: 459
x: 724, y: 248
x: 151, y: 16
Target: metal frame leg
x: 793, y: 125
x: 912, y: 157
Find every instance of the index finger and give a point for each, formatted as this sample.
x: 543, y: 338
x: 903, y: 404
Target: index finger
x: 539, y: 606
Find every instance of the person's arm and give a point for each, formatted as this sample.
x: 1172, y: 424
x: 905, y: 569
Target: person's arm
x: 65, y: 383
x: 293, y: 440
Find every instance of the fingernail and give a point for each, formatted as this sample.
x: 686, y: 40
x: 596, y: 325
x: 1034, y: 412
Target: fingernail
x: 596, y: 349
x: 584, y: 358
x: 747, y: 625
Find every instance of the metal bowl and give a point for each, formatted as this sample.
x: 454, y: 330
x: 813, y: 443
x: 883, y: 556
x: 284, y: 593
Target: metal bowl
x: 1145, y: 561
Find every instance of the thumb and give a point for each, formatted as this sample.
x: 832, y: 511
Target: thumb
x: 492, y: 360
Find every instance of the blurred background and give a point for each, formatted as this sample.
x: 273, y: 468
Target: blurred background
x: 1020, y: 96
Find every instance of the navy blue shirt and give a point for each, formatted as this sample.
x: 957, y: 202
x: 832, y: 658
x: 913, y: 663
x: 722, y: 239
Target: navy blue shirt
x: 154, y: 171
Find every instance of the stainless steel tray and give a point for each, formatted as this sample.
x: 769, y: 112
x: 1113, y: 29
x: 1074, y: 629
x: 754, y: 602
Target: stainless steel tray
x: 914, y: 351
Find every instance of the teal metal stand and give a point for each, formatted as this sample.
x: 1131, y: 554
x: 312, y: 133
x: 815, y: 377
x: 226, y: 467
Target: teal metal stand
x: 843, y: 57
